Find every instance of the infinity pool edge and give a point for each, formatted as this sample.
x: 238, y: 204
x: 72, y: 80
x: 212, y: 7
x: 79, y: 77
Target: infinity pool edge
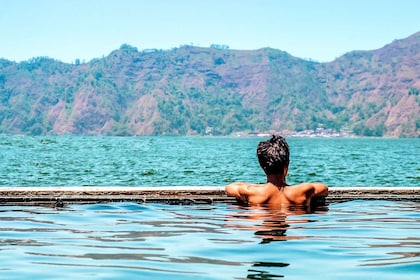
x: 58, y: 195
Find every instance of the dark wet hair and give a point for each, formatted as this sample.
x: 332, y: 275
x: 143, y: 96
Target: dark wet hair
x: 273, y: 155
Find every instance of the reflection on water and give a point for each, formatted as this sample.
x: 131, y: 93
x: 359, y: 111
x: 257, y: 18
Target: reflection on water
x: 363, y: 239
x: 271, y: 223
x: 264, y: 274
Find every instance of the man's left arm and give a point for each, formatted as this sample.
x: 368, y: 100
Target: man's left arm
x: 320, y: 190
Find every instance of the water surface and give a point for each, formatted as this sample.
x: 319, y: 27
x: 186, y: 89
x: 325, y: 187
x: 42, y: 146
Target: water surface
x: 352, y: 240
x: 201, y: 161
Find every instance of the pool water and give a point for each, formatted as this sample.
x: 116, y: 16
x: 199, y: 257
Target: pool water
x: 351, y: 240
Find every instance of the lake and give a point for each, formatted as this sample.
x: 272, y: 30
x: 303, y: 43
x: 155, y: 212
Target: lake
x: 201, y: 161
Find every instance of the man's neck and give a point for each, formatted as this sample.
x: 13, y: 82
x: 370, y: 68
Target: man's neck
x: 278, y: 180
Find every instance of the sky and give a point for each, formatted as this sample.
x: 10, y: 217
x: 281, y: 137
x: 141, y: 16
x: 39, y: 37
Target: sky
x: 321, y: 30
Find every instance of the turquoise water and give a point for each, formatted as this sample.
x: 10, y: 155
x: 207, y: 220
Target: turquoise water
x: 352, y: 240
x: 201, y: 161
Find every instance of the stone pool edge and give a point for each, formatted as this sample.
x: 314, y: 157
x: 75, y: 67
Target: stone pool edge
x: 59, y: 196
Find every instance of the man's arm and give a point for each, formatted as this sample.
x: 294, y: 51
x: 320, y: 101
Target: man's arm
x: 233, y: 189
x: 320, y: 190
x: 246, y: 193
x: 309, y: 191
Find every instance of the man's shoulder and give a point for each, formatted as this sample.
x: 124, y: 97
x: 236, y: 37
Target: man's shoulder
x: 315, y: 187
x: 239, y: 184
x: 249, y: 193
x: 308, y: 185
x: 302, y: 186
x: 245, y: 185
x: 244, y: 188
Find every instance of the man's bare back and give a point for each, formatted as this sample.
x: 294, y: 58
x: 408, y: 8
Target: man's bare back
x: 257, y: 194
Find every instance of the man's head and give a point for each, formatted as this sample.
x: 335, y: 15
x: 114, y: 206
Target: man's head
x: 273, y: 155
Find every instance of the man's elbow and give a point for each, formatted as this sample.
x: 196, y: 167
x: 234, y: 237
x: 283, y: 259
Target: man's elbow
x: 231, y: 190
x: 321, y: 190
x: 324, y: 192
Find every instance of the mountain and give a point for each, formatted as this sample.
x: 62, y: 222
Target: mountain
x: 191, y: 90
x: 379, y: 89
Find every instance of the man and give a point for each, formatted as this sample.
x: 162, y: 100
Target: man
x: 273, y: 156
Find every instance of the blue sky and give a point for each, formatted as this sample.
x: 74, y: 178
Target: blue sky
x: 321, y: 30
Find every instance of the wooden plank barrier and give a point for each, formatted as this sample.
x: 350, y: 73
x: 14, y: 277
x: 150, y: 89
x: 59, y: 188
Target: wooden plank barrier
x: 60, y: 196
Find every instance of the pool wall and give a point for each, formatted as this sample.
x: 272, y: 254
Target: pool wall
x: 59, y: 196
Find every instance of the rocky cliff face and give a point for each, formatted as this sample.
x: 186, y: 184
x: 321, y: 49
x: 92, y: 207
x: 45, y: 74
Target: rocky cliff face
x: 379, y: 88
x: 192, y: 90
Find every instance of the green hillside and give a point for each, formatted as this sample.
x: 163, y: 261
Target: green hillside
x: 191, y: 90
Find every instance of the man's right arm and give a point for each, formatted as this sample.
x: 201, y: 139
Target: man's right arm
x: 237, y: 190
x: 233, y: 189
x: 246, y: 193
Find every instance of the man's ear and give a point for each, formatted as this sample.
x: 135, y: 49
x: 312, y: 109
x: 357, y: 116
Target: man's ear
x: 286, y: 169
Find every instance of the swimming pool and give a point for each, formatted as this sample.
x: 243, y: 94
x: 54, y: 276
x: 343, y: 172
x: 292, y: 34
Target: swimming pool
x: 351, y: 240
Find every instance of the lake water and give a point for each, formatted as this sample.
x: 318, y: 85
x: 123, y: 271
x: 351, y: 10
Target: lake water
x: 352, y: 240
x: 201, y: 161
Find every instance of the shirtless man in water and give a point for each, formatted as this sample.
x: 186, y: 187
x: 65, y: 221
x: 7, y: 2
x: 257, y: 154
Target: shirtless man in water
x: 273, y: 156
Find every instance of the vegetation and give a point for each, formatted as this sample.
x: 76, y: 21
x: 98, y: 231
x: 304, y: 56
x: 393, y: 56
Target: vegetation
x: 218, y: 91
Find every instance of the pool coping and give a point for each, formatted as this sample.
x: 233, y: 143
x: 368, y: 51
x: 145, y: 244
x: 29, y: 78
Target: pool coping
x: 58, y: 196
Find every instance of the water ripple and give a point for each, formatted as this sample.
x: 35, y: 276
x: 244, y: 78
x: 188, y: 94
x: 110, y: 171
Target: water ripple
x: 200, y: 161
x: 364, y: 239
